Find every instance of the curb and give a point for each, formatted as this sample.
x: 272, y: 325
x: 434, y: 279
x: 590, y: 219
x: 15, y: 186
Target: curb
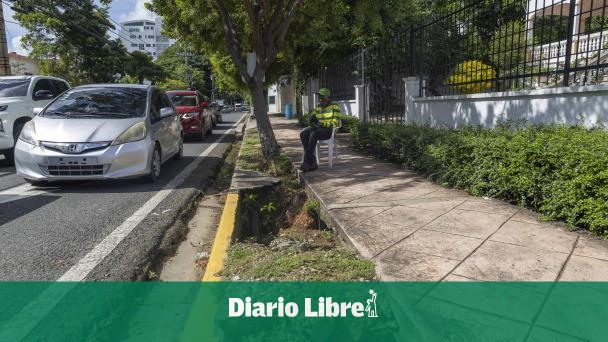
x: 223, y: 237
x: 226, y: 227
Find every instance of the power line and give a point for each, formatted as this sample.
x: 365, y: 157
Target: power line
x: 83, y: 29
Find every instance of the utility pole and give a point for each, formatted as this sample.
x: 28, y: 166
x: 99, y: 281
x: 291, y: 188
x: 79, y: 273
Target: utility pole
x: 187, y: 72
x: 5, y: 67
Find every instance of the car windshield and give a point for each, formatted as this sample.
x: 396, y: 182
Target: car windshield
x: 183, y: 99
x: 12, y: 88
x: 96, y: 102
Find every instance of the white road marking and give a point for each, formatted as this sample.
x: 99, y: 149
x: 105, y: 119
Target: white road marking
x: 20, y: 192
x: 25, y: 320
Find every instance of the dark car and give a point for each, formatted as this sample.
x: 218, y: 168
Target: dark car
x: 195, y: 113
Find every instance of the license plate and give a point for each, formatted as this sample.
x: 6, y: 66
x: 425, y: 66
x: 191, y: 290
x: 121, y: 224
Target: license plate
x: 72, y: 161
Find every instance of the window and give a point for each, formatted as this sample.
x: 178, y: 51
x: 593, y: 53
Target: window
x: 183, y: 100
x: 157, y: 104
x: 102, y: 102
x: 15, y: 87
x: 133, y: 45
x: 42, y: 84
x: 148, y: 45
x: 132, y: 36
x: 60, y: 87
x: 271, y: 100
x: 140, y: 36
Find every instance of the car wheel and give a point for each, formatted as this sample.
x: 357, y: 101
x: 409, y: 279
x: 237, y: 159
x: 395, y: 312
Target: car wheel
x: 10, y: 154
x: 155, y: 165
x: 34, y: 182
x: 180, y: 154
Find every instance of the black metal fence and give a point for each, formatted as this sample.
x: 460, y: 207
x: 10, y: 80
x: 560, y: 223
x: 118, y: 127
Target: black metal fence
x: 482, y: 46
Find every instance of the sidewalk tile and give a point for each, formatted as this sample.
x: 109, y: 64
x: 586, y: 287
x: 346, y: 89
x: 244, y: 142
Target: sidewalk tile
x: 547, y: 237
x: 454, y: 277
x: 344, y: 195
x: 447, y: 193
x: 497, y: 261
x: 398, y: 264
x: 592, y: 246
x: 440, y: 244
x: 405, y: 191
x: 408, y: 216
x: 585, y: 269
x: 488, y: 206
x: 376, y: 236
x: 468, y: 223
x: 350, y: 217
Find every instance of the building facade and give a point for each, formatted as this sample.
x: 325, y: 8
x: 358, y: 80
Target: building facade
x: 22, y: 65
x: 144, y: 35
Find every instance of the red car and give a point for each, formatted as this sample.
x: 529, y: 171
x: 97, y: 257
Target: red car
x: 193, y: 109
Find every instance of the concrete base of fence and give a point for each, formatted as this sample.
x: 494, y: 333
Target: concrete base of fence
x: 563, y: 105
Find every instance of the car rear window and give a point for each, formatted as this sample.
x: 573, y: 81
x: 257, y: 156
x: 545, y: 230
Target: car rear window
x: 182, y: 99
x: 99, y: 102
x: 12, y: 88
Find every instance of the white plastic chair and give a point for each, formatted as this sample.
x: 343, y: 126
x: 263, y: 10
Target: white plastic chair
x: 331, y: 146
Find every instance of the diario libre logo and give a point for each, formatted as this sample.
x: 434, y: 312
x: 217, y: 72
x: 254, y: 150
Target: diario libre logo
x: 323, y: 307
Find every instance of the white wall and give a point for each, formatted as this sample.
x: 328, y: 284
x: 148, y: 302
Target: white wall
x: 348, y: 107
x: 272, y: 92
x: 567, y: 105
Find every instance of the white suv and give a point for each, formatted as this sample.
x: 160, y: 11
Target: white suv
x: 19, y: 95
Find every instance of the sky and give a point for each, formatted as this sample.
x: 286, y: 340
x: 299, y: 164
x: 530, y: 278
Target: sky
x: 120, y: 10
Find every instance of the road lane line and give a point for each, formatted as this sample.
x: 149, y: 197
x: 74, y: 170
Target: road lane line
x: 26, y: 320
x: 82, y: 268
x: 20, y: 192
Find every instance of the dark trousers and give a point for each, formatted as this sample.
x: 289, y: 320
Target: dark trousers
x: 309, y: 137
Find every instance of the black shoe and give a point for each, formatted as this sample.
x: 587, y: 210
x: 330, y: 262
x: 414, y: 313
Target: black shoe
x: 307, y: 167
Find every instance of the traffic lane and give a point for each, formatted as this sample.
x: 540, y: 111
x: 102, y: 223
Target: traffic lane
x: 45, y: 235
x: 8, y: 177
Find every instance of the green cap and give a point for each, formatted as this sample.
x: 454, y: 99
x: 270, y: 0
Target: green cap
x: 323, y: 92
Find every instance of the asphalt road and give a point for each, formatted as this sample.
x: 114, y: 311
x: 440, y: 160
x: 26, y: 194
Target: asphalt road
x: 46, y: 231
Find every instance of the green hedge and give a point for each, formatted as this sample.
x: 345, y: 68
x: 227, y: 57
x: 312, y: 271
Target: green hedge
x: 559, y: 171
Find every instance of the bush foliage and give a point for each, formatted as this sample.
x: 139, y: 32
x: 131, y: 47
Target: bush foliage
x: 472, y: 77
x: 559, y: 171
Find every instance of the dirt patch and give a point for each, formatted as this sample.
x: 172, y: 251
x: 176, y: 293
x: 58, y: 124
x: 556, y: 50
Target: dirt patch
x: 281, y: 235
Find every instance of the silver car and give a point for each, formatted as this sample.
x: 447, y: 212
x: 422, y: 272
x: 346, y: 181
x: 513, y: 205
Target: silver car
x: 104, y: 131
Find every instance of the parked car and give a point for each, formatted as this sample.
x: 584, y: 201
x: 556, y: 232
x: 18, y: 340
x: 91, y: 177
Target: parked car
x: 193, y: 108
x: 19, y: 95
x: 104, y: 131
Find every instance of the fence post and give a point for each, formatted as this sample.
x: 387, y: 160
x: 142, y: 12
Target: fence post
x: 360, y: 102
x: 412, y: 90
x: 571, y: 15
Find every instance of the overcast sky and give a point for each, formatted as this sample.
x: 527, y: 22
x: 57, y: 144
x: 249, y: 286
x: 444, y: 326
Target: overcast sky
x: 120, y: 10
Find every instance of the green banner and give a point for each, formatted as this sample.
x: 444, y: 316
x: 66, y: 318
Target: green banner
x: 279, y: 311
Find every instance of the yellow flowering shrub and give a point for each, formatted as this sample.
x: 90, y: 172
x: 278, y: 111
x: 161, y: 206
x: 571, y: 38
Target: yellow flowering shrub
x: 472, y: 77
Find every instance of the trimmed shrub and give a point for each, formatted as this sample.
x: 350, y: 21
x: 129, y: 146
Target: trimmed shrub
x: 559, y: 171
x: 472, y: 77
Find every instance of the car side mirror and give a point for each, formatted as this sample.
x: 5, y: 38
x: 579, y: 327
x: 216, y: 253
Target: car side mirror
x: 43, y: 95
x: 166, y: 112
x: 37, y: 110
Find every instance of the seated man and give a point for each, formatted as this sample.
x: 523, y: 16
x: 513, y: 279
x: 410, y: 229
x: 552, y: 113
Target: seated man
x: 321, y: 120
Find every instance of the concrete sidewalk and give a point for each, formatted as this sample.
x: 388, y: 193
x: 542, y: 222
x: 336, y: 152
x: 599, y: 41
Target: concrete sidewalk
x: 414, y: 229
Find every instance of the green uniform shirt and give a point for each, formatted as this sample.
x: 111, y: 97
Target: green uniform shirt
x: 327, y: 116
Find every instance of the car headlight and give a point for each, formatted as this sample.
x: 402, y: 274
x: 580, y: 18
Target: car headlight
x: 134, y: 133
x: 189, y: 115
x: 28, y: 134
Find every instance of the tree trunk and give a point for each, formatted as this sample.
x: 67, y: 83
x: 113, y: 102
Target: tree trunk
x: 270, y: 147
